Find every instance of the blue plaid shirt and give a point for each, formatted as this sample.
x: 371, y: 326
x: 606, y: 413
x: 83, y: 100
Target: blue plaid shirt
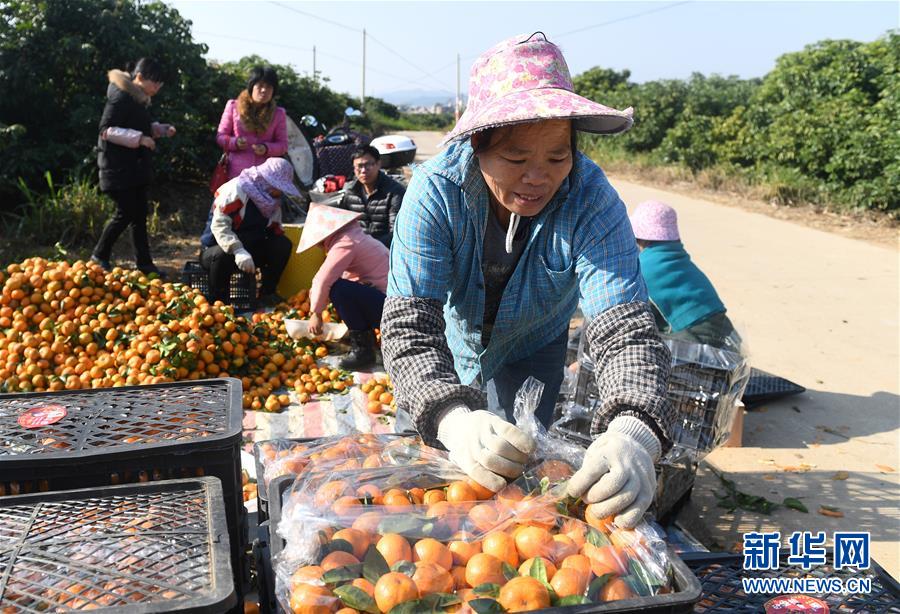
x: 580, y: 248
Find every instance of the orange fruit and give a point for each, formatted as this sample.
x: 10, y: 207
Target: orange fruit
x: 346, y: 506
x: 396, y: 498
x: 534, y: 541
x: 337, y: 559
x: 357, y: 539
x: 606, y: 559
x: 430, y: 550
x: 433, y: 496
x: 563, y: 547
x: 483, y: 568
x: 394, y: 588
x: 574, y: 530
x: 460, y: 491
x: 394, y: 548
x: 510, y: 495
x: 525, y: 568
x: 308, y: 574
x: 578, y: 562
x: 368, y: 522
x: 502, y: 546
x: 458, y: 574
x: 569, y: 581
x: 331, y: 491
x: 347, y: 611
x: 312, y: 599
x: 417, y: 495
x: 462, y: 551
x: 616, y: 589
x: 431, y: 578
x: 481, y: 492
x: 523, y: 595
x: 603, y: 524
x: 484, y: 516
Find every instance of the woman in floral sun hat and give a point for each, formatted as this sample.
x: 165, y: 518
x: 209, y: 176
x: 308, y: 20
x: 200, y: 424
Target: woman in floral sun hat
x: 500, y: 238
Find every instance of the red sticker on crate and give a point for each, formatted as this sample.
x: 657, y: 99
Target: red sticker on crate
x: 42, y: 415
x: 796, y: 603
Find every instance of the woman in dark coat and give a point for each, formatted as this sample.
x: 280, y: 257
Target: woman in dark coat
x: 126, y: 143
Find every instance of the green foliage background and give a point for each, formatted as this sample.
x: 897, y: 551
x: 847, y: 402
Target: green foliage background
x: 823, y: 126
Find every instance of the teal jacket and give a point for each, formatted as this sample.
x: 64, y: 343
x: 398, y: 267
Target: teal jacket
x: 681, y: 292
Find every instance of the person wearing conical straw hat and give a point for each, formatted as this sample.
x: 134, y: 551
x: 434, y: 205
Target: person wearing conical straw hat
x: 500, y: 237
x: 353, y: 278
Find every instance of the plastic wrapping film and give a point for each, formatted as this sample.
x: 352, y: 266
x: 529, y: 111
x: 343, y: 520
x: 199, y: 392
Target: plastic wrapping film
x: 339, y: 452
x: 705, y: 385
x: 413, y: 538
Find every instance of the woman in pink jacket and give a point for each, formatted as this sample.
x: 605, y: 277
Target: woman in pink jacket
x: 353, y: 278
x: 253, y: 128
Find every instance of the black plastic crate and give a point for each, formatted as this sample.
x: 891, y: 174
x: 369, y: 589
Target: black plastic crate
x: 242, y: 293
x: 720, y: 576
x: 681, y: 600
x: 130, y: 434
x: 763, y: 387
x: 137, y: 548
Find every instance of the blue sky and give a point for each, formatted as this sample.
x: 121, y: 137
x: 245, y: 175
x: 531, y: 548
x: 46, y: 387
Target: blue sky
x: 413, y: 45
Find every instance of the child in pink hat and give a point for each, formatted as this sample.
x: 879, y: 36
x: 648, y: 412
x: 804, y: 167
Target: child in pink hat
x: 353, y: 278
x: 684, y: 301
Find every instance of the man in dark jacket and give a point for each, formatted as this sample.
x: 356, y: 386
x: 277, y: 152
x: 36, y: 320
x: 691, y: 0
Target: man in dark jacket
x: 373, y: 194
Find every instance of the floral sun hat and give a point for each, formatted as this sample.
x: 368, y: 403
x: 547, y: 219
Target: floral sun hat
x: 655, y: 221
x: 526, y: 79
x: 322, y: 221
x: 274, y: 173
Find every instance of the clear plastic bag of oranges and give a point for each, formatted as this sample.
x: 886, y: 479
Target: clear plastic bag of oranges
x: 357, y: 450
x: 426, y: 538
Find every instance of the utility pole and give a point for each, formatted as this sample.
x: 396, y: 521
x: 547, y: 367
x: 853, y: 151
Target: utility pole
x: 363, y: 97
x: 457, y: 88
x: 315, y: 77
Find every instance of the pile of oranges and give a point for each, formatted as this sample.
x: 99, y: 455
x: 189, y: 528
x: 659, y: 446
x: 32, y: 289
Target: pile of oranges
x: 457, y: 547
x: 69, y: 326
x: 380, y: 392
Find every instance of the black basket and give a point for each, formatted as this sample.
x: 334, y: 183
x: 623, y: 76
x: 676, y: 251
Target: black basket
x: 130, y: 434
x: 720, y: 576
x: 763, y: 387
x: 681, y: 600
x: 137, y: 548
x: 241, y: 286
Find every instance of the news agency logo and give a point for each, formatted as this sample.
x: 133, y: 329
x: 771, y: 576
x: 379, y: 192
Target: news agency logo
x: 762, y: 552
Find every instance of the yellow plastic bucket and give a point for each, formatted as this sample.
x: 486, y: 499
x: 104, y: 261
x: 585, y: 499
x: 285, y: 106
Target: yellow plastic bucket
x: 301, y: 268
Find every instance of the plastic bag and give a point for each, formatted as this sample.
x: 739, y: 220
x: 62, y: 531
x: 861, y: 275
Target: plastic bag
x: 429, y: 538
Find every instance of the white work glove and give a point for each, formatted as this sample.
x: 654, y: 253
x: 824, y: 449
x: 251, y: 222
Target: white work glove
x: 617, y: 474
x: 486, y: 447
x: 244, y: 260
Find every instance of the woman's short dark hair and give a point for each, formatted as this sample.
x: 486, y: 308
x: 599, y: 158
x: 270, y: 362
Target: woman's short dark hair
x: 365, y: 150
x: 266, y: 74
x: 148, y: 68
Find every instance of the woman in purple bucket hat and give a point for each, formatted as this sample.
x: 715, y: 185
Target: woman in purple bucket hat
x: 500, y: 238
x: 244, y: 231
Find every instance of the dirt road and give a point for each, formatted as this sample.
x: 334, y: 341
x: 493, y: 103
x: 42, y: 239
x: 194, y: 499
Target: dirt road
x: 821, y: 310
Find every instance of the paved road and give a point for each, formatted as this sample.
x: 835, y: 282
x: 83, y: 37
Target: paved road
x: 821, y: 310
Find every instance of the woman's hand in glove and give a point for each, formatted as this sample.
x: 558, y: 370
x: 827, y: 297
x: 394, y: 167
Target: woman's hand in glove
x: 244, y: 260
x: 486, y: 447
x: 617, y: 474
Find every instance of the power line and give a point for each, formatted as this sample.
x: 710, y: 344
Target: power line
x: 426, y: 74
x: 625, y: 18
x: 314, y: 16
x: 319, y: 51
